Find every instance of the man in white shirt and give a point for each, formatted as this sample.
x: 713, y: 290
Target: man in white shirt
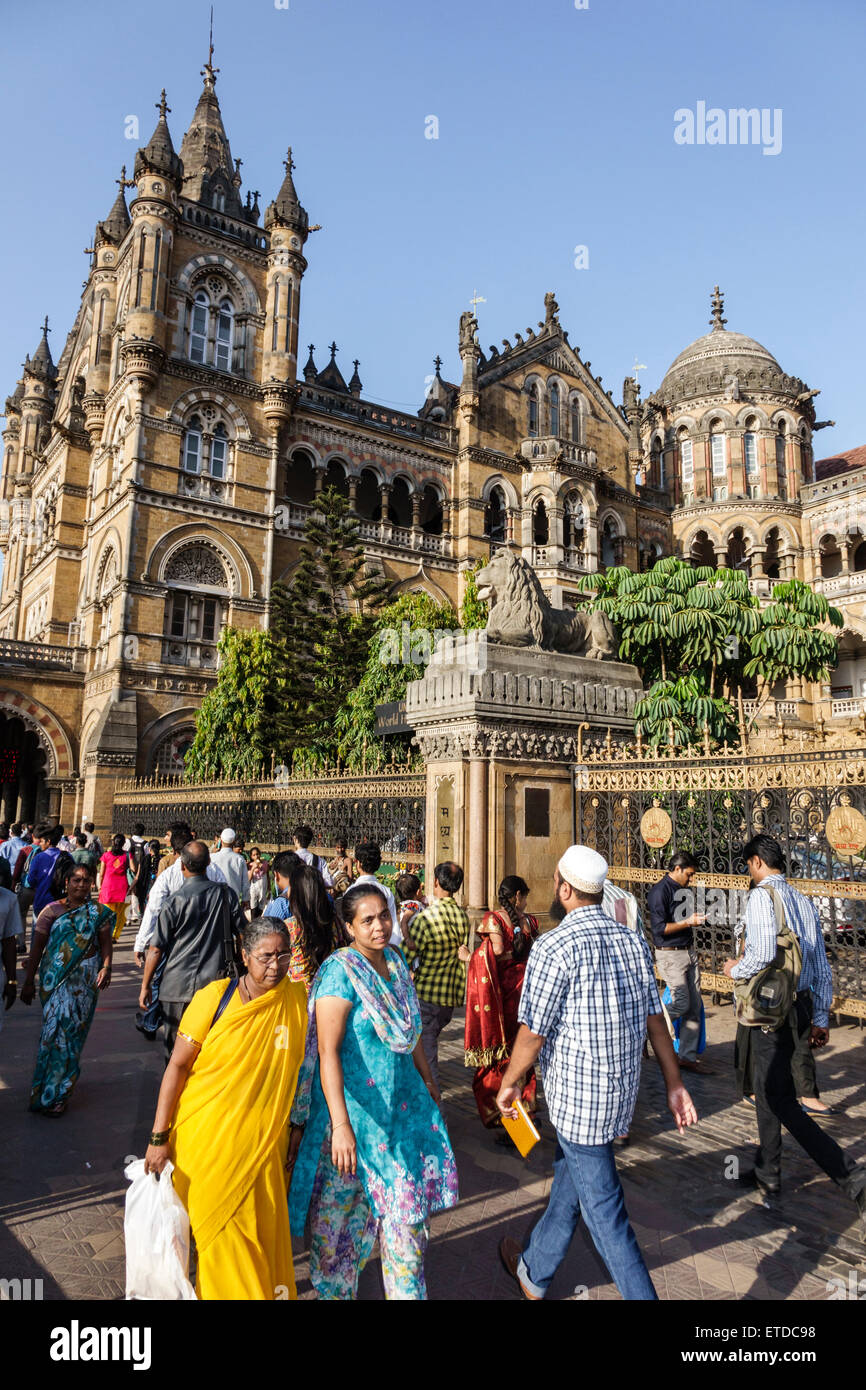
x: 368, y: 858
x: 302, y: 838
x: 166, y: 883
x: 234, y: 866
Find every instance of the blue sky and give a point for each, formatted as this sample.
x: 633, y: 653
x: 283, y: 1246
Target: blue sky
x: 555, y: 130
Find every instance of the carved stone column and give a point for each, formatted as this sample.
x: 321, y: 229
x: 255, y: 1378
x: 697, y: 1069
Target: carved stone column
x: 476, y: 833
x: 353, y: 494
x: 384, y: 498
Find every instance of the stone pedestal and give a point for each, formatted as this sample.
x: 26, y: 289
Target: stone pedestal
x: 499, y: 744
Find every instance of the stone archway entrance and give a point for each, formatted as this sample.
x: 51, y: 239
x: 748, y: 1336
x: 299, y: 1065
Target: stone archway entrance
x: 23, y: 770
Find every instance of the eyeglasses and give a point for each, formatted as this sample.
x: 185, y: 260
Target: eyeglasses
x: 284, y: 958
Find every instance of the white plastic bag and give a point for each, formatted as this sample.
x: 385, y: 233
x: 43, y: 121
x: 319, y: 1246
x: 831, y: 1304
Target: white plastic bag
x: 156, y: 1232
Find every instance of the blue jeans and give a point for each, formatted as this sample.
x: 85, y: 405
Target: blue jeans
x: 585, y: 1181
x: 152, y: 1016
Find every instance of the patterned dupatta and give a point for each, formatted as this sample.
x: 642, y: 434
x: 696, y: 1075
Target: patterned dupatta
x: 394, y: 1013
x: 72, y: 935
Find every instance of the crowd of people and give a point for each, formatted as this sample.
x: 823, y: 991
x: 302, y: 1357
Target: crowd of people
x: 302, y: 999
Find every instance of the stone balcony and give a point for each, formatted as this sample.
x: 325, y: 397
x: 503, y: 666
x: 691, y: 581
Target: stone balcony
x: 290, y: 517
x: 544, y: 557
x: 852, y: 585
x: 848, y: 708
x: 548, y: 451
x: 41, y: 656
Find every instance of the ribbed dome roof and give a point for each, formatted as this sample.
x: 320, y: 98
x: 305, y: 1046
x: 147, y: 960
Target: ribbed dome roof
x: 719, y: 353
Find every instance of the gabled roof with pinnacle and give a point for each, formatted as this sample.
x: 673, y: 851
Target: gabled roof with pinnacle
x: 550, y: 347
x: 286, y: 207
x: 117, y: 223
x: 331, y: 376
x: 205, y: 150
x: 159, y: 156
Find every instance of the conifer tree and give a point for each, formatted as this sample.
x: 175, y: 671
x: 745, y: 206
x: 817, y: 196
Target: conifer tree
x: 321, y: 625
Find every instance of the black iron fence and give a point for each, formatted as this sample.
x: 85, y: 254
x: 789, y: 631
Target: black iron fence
x: 638, y: 810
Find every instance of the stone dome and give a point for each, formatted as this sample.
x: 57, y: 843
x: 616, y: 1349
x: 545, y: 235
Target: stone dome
x: 713, y: 361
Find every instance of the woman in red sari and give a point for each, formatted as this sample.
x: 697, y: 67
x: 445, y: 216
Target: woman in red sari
x: 494, y: 981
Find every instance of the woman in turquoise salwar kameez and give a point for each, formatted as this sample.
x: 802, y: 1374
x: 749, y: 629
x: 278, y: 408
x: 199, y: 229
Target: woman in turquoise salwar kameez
x: 72, y: 942
x: 375, y: 1159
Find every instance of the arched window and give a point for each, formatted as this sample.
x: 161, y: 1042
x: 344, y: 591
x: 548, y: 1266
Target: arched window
x: 335, y: 477
x: 196, y: 608
x: 735, y: 556
x: 431, y: 515
x: 573, y: 523
x: 858, y: 559
x: 750, y: 459
x: 719, y: 461
x: 540, y: 524
x: 687, y: 467
x: 658, y: 462
x: 702, y: 552
x: 198, y: 328
x: 400, y: 503
x: 367, y: 503
x: 576, y: 422
x: 219, y: 446
x: 224, y: 335
x: 192, y: 446
x: 533, y: 411
x: 781, y: 463
x: 300, y: 478
x: 168, y: 755
x: 611, y: 543
x: 495, y: 517
x: 772, y: 554
x: 831, y: 557
x: 554, y: 409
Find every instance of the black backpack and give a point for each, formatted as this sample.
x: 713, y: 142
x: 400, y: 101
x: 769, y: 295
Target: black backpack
x: 63, y: 865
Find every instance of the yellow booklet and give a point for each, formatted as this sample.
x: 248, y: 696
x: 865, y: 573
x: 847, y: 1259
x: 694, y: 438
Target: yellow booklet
x: 522, y: 1131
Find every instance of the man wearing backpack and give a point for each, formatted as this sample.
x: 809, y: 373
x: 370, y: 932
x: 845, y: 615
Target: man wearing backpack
x: 773, y: 904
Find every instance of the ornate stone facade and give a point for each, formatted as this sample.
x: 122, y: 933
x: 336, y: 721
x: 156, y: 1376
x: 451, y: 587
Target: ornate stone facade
x: 157, y: 478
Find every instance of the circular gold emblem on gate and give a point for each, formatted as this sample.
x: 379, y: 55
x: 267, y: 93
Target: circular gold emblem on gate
x: 656, y: 827
x: 846, y: 830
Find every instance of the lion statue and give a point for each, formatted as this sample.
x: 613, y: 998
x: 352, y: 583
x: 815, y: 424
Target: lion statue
x: 520, y: 615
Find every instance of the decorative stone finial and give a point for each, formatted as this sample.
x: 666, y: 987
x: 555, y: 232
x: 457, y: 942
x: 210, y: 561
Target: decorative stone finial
x: 162, y: 105
x: 718, y: 303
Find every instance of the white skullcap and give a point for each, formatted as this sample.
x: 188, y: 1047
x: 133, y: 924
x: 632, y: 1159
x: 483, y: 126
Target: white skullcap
x: 228, y: 837
x: 583, y: 868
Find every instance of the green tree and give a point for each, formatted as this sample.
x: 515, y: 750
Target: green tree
x: 473, y: 610
x: 234, y: 725
x: 398, y: 651
x: 792, y: 639
x: 675, y: 618
x: 679, y: 710
x: 321, y: 622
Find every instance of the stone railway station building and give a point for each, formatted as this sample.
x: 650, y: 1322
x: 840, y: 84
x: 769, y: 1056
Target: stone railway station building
x: 157, y: 476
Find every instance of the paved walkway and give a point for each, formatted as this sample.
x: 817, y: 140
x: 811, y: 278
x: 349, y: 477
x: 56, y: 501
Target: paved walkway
x: 62, y: 1180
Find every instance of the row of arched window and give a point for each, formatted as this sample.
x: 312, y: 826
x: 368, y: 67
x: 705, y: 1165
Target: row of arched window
x: 717, y: 482
x: 547, y: 414
x: 369, y: 491
x: 573, y: 533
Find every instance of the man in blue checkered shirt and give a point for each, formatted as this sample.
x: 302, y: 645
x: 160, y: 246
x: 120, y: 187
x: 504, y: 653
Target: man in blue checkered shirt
x: 589, y: 997
x: 772, y: 1050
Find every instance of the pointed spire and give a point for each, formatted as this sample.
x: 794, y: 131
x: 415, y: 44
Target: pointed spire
x: 717, y: 302
x: 286, y: 207
x: 117, y: 223
x: 355, y: 385
x: 41, y: 363
x: 158, y: 155
x: 311, y: 371
x: 332, y: 377
x: 210, y: 174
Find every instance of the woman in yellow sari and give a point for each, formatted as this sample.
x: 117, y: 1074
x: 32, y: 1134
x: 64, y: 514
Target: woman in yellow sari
x: 222, y: 1117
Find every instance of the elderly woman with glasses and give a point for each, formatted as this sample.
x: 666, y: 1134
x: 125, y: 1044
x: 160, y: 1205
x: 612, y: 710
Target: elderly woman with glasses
x: 222, y: 1118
